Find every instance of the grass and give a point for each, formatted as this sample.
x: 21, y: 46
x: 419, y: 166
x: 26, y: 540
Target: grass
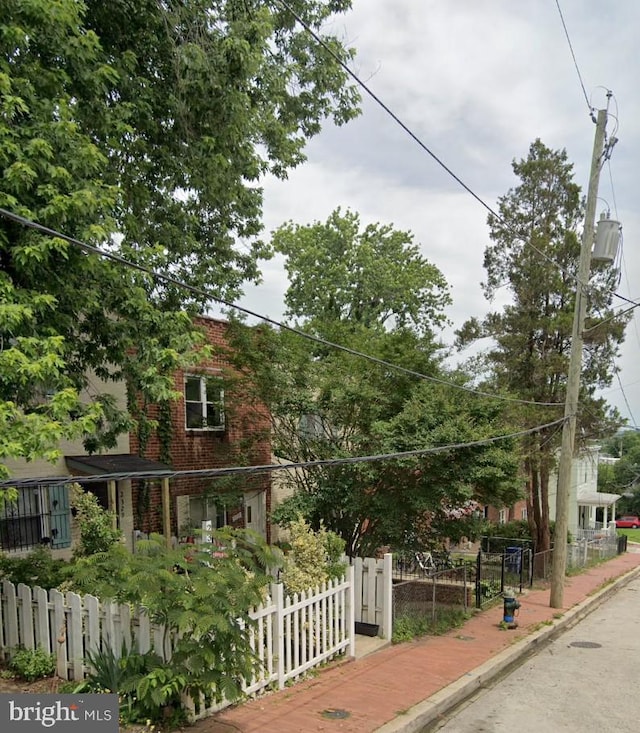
x: 410, y: 626
x: 632, y: 534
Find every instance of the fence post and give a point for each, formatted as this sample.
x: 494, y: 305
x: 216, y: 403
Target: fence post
x: 60, y: 633
x: 12, y: 638
x: 277, y: 594
x: 351, y: 619
x: 479, y: 579
x: 358, y: 566
x: 387, y: 596
x: 25, y: 609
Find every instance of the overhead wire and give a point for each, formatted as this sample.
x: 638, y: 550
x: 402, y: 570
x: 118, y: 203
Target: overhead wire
x: 285, y: 5
x: 575, y: 61
x: 236, y: 470
x: 158, y: 276
x: 626, y: 401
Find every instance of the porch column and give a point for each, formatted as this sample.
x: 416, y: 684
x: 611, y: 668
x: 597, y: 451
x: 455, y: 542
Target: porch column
x: 166, y: 511
x: 605, y: 515
x: 113, y: 506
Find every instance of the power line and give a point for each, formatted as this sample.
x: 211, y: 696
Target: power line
x: 209, y: 296
x: 626, y: 401
x: 414, y: 137
x: 244, y: 470
x: 575, y: 62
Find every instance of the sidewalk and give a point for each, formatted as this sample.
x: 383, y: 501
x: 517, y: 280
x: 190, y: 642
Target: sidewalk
x: 403, y: 688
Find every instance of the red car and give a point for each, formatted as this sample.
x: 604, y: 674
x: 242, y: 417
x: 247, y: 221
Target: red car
x: 628, y: 522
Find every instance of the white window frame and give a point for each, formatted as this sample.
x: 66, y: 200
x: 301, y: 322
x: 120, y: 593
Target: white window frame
x: 206, y: 403
x: 502, y: 516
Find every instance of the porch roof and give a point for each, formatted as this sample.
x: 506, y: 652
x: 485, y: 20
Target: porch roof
x: 597, y: 498
x: 114, y: 463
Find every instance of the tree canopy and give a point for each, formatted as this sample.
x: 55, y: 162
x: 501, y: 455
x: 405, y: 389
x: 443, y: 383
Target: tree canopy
x: 350, y: 284
x: 146, y: 128
x: 534, y: 252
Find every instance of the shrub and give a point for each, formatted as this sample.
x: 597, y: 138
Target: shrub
x: 32, y: 664
x: 314, y: 558
x: 37, y: 568
x: 202, y: 594
x: 97, y: 533
x: 133, y: 676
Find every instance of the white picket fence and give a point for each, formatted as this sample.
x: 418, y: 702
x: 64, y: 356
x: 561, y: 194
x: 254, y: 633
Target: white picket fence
x: 290, y: 636
x: 373, y: 592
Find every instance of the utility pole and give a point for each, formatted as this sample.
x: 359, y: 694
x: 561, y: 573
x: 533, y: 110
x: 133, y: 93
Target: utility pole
x: 558, y: 569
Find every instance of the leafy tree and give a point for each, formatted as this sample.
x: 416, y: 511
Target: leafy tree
x: 535, y: 252
x: 622, y: 477
x: 143, y: 127
x: 374, y: 278
x: 348, y: 286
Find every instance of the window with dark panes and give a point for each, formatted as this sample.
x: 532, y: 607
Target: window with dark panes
x: 204, y: 402
x: 38, y: 515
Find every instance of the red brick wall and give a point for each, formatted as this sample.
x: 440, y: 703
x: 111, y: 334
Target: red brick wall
x: 244, y: 441
x: 513, y: 513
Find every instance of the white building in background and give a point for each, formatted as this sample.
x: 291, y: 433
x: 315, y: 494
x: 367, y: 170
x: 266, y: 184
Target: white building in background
x: 585, y: 498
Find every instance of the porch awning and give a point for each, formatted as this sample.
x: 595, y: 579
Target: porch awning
x: 597, y: 498
x: 114, y: 463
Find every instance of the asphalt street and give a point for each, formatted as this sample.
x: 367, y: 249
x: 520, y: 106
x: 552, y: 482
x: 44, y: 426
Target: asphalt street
x: 585, y: 681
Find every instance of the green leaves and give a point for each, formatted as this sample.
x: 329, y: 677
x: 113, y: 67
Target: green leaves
x: 203, y: 598
x: 144, y: 128
x: 371, y: 278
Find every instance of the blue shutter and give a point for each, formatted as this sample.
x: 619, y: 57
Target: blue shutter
x: 60, y: 516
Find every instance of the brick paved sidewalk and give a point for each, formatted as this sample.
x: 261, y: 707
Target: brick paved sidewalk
x: 384, y: 685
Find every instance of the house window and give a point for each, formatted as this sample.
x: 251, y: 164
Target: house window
x: 204, y: 403
x: 502, y: 517
x: 203, y: 510
x: 40, y: 515
x: 523, y: 513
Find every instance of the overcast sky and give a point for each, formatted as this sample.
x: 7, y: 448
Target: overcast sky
x: 477, y: 82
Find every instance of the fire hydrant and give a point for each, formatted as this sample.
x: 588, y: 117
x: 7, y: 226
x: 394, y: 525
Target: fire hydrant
x: 511, y: 605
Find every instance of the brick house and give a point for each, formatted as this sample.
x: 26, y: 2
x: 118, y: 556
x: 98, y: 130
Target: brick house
x: 212, y: 425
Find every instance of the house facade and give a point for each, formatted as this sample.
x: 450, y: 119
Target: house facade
x: 212, y: 425
x: 588, y: 508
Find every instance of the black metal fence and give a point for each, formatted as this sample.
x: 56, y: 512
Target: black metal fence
x: 509, y: 570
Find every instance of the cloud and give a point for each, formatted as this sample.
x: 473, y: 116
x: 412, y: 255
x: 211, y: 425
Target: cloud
x: 477, y: 83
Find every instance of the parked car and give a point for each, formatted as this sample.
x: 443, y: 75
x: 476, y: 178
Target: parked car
x: 628, y: 522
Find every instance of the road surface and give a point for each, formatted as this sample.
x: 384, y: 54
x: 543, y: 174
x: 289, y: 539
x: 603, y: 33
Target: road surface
x: 586, y: 681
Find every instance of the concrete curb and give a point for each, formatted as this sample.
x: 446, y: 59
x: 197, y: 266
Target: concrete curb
x: 429, y: 711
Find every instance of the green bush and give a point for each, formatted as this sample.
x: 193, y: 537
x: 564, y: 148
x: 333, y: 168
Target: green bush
x: 32, y: 664
x: 37, y: 568
x: 410, y: 626
x: 202, y: 594
x: 134, y: 678
x: 97, y: 533
x: 314, y: 558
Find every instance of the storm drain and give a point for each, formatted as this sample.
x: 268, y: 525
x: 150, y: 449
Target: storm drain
x: 335, y: 714
x: 586, y: 644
